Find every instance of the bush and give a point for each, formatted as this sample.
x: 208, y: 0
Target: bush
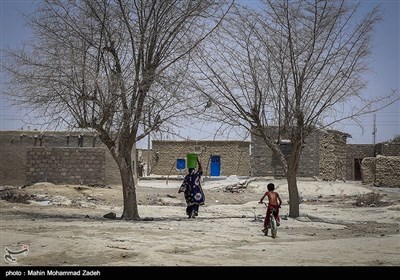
x: 370, y: 200
x: 396, y: 139
x: 16, y: 198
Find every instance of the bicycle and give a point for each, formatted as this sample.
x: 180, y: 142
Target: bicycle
x: 272, y: 223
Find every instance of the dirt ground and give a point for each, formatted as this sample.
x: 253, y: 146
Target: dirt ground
x: 340, y: 224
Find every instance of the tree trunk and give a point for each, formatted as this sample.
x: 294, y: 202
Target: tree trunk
x: 130, y: 211
x: 294, y: 209
x: 291, y: 177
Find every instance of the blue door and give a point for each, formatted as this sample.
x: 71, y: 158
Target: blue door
x: 215, y: 168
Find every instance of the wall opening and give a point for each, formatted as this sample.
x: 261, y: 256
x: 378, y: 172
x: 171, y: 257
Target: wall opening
x: 357, y: 169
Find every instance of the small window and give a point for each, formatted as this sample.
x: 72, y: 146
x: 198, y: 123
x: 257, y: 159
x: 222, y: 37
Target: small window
x: 180, y: 164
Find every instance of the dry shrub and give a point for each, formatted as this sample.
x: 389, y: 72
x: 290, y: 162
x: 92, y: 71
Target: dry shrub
x: 16, y: 198
x: 370, y: 200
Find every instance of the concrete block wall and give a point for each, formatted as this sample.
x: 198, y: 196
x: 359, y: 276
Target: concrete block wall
x: 15, y: 144
x: 56, y: 139
x: 262, y: 158
x: 265, y: 163
x: 310, y: 162
x: 64, y: 165
x: 234, y: 156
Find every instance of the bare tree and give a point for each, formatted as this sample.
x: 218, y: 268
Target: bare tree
x: 112, y: 66
x: 295, y: 65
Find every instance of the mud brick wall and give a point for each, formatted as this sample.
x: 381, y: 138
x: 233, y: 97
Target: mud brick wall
x: 332, y: 156
x: 234, y: 156
x: 60, y: 165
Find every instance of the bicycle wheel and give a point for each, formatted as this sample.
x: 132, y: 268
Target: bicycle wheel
x: 274, y: 228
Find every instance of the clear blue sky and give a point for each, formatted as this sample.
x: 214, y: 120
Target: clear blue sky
x: 385, y: 73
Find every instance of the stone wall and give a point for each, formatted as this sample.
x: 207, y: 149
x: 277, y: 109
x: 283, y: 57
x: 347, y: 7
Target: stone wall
x: 368, y: 170
x: 356, y: 152
x: 383, y: 171
x: 234, y: 156
x: 388, y: 149
x: 332, y: 155
x: 387, y: 171
x: 70, y: 165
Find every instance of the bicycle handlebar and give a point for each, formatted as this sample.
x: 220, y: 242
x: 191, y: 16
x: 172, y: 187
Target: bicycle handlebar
x: 266, y: 204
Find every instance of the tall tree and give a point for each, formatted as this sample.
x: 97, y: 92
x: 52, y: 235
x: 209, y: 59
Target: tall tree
x: 291, y: 64
x: 112, y: 66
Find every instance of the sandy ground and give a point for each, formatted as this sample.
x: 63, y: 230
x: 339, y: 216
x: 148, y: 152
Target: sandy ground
x: 63, y: 225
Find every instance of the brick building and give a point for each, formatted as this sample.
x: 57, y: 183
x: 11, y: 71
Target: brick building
x: 66, y: 157
x: 382, y: 166
x: 219, y: 158
x: 58, y: 157
x: 323, y: 155
x: 355, y: 153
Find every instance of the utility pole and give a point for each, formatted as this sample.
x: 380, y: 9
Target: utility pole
x: 148, y: 155
x: 135, y: 164
x: 374, y: 130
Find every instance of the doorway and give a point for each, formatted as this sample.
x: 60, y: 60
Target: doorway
x: 215, y: 168
x: 357, y: 169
